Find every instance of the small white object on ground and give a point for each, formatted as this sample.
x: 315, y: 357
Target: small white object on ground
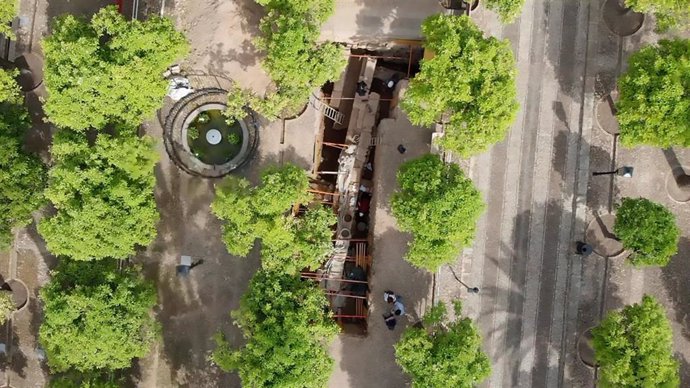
x: 179, y: 87
x: 186, y: 260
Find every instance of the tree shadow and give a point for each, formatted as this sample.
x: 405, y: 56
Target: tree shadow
x: 381, y: 22
x: 192, y: 309
x: 683, y: 366
x: 78, y: 8
x: 672, y: 159
x: 39, y: 137
x: 246, y: 55
x: 528, y: 317
x: 676, y: 277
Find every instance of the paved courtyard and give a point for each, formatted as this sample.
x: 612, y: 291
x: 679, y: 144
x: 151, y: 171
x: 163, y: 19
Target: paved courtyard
x: 379, y: 20
x: 536, y: 295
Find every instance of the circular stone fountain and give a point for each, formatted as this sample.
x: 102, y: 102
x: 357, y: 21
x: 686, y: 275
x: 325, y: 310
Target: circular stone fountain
x: 201, y: 141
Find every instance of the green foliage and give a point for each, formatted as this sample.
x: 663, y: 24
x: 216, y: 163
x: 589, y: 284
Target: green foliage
x: 443, y: 354
x: 281, y: 187
x: 6, y: 305
x: 469, y: 85
x: 8, y: 11
x: 203, y: 118
x: 234, y: 138
x: 654, y: 102
x: 668, y: 13
x: 439, y: 206
x: 96, y: 317
x: 288, y: 243
x: 22, y: 176
x: 287, y: 329
x: 192, y: 132
x: 634, y: 348
x: 238, y: 100
x: 108, y: 70
x: 86, y: 380
x: 295, y: 61
x: 103, y: 194
x: 648, y: 229
x: 10, y: 93
x: 507, y: 10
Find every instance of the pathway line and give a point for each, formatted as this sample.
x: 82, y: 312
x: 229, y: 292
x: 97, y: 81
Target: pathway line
x: 543, y: 120
x: 565, y: 250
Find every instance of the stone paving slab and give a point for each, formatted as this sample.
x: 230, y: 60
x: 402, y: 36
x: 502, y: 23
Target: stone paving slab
x: 362, y: 21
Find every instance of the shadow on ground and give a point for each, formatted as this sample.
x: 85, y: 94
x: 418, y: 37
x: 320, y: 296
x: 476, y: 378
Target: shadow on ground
x: 676, y: 277
x: 364, y: 360
x: 75, y: 7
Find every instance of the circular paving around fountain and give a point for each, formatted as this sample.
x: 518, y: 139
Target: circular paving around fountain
x: 200, y: 140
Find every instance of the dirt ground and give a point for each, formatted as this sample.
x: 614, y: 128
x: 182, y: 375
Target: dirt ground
x: 191, y: 310
x: 221, y: 34
x: 354, y: 355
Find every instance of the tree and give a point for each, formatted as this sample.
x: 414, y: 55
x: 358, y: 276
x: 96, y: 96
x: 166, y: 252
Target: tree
x: 668, y: 13
x: 469, y: 85
x: 96, y: 317
x: 8, y: 11
x: 507, y: 10
x: 86, y: 380
x: 289, y: 243
x: 7, y: 306
x: 648, y: 229
x: 103, y: 194
x: 296, y: 63
x: 22, y: 175
x: 287, y: 330
x: 443, y: 354
x: 109, y: 70
x: 439, y: 206
x: 634, y: 348
x: 654, y: 100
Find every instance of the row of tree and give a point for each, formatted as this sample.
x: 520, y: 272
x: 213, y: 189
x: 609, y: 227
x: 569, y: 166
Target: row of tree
x: 469, y: 87
x: 103, y: 79
x: 286, y: 320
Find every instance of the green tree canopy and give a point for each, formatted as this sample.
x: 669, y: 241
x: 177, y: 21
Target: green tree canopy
x: 443, y: 354
x: 439, y: 206
x: 22, y: 176
x: 469, y: 85
x: 296, y: 63
x: 648, y: 229
x: 108, y: 70
x: 103, y: 193
x: 96, y: 316
x: 287, y: 330
x: 634, y: 348
x: 8, y: 11
x: 96, y: 379
x: 654, y: 102
x: 507, y: 10
x: 668, y: 13
x: 289, y: 243
x: 7, y: 306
